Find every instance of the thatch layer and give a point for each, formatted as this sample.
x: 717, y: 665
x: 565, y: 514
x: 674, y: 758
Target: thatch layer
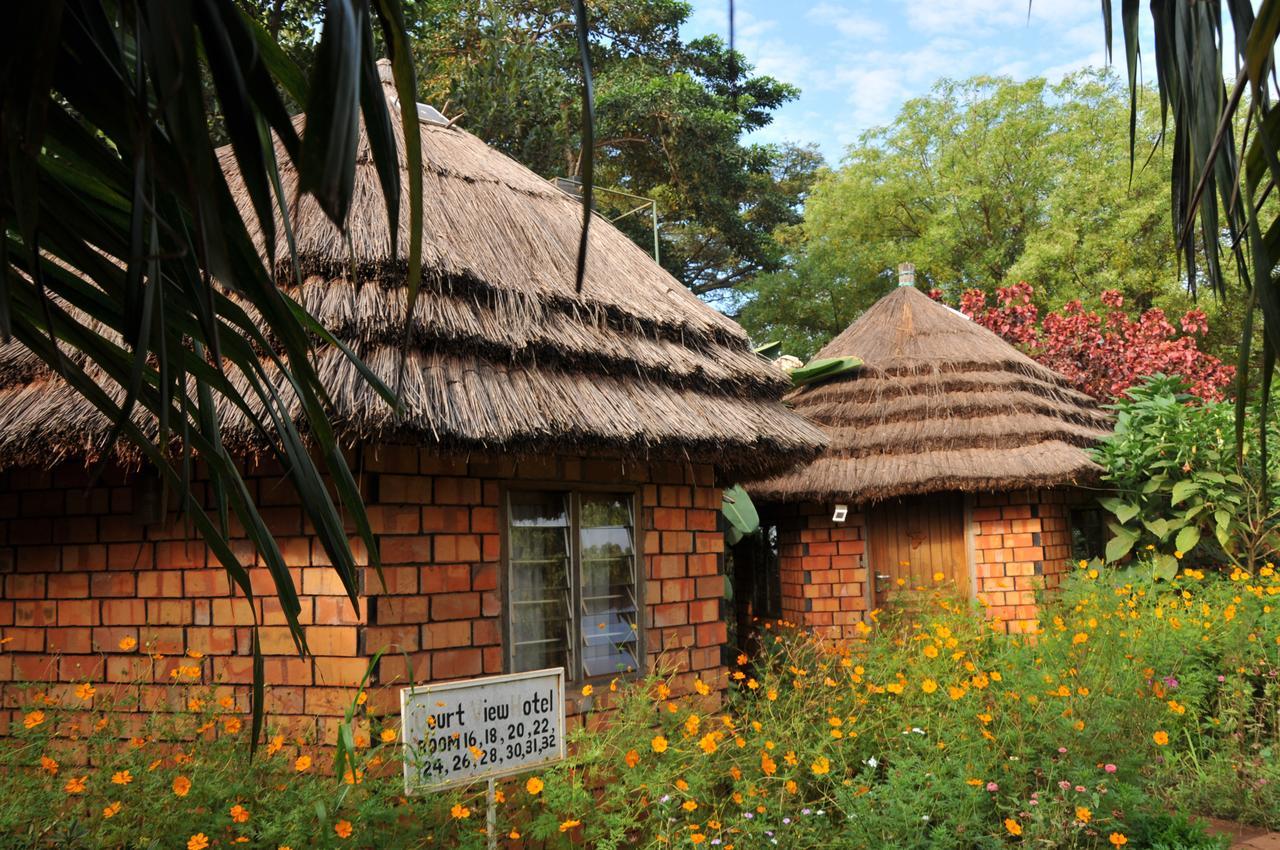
x: 500, y: 353
x: 942, y: 404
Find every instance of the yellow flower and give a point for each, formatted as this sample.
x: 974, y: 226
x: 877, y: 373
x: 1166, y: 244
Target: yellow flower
x: 302, y: 764
x: 387, y: 735
x: 48, y: 765
x: 697, y: 838
x: 659, y: 744
x: 701, y: 687
x: 75, y: 785
x: 708, y: 743
x: 181, y: 785
x: 689, y: 805
x: 199, y: 841
x: 86, y: 691
x: 1012, y: 826
x: 534, y: 785
x: 820, y: 766
x: 362, y: 698
x: 1117, y: 839
x: 127, y: 643
x: 111, y: 810
x: 938, y: 576
x: 460, y: 811
x: 569, y: 824
x: 32, y: 719
x: 121, y: 777
x: 275, y: 744
x: 343, y: 828
x: 1083, y: 814
x: 1079, y: 638
x: 928, y: 686
x: 1161, y: 738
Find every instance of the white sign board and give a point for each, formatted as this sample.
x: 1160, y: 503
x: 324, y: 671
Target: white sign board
x: 456, y: 733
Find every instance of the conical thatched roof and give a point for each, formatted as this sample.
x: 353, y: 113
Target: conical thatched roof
x: 942, y: 404
x: 501, y: 353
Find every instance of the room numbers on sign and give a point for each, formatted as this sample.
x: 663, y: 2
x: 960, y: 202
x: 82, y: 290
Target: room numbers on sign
x: 460, y: 732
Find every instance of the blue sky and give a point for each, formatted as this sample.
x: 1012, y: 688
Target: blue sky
x: 857, y: 61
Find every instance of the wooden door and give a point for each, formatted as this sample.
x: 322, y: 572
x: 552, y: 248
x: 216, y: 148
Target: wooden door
x: 909, y: 540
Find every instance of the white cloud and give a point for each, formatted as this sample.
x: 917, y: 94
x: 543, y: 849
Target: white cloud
x: 853, y: 25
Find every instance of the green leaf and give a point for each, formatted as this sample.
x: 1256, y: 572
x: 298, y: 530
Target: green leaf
x: 1165, y: 566
x: 1187, y: 539
x: 1159, y: 527
x: 1120, y: 545
x: 738, y: 508
x: 1183, y: 490
x: 821, y: 370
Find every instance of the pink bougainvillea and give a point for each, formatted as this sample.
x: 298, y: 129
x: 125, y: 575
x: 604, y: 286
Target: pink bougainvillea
x: 1103, y: 355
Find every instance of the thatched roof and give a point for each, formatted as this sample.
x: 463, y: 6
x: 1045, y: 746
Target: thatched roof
x: 941, y: 404
x: 502, y: 353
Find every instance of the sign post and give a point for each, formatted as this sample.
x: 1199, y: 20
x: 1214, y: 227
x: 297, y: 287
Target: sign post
x: 457, y: 733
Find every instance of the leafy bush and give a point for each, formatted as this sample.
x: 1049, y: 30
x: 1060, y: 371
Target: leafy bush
x: 1136, y: 699
x: 1179, y: 490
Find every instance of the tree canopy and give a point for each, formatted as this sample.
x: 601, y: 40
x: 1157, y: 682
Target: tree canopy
x: 983, y: 183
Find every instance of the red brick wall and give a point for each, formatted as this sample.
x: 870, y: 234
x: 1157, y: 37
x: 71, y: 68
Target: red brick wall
x: 80, y: 574
x: 1021, y: 543
x: 823, y: 569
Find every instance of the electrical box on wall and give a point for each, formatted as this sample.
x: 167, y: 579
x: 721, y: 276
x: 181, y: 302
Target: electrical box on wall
x: 841, y: 513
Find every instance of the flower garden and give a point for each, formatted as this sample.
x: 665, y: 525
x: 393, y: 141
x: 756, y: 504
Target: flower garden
x: 1141, y: 703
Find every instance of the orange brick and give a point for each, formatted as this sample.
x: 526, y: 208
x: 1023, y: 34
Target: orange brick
x: 405, y: 550
x: 113, y: 584
x: 154, y: 583
x: 455, y: 606
x: 456, y: 663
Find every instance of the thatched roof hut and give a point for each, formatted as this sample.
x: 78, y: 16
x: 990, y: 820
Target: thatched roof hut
x: 941, y: 404
x: 501, y: 352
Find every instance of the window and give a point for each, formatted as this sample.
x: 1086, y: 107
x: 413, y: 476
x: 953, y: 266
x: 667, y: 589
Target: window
x: 572, y: 589
x: 1088, y: 534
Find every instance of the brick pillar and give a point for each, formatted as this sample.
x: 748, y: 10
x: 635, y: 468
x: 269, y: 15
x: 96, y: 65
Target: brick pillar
x: 1022, y: 542
x: 823, y: 571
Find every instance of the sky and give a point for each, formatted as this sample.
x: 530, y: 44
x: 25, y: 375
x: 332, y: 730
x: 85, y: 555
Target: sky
x: 857, y: 61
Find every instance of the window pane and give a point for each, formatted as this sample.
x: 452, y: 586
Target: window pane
x: 608, y: 561
x: 538, y: 581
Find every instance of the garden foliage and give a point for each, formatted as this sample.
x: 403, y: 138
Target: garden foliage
x: 1180, y: 487
x: 1137, y: 699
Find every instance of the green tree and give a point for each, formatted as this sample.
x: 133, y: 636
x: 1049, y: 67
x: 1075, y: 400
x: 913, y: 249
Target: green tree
x: 981, y: 184
x: 671, y: 116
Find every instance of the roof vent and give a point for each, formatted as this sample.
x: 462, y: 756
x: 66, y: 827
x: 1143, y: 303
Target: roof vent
x: 431, y: 115
x: 906, y: 274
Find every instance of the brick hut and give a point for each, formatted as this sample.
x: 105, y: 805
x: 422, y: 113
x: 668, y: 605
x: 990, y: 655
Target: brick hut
x: 951, y: 452
x: 549, y: 497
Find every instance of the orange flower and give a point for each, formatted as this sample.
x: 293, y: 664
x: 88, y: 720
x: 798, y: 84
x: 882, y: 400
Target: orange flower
x: 708, y: 743
x: 127, y: 643
x: 689, y: 805
x: 275, y: 744
x: 659, y: 744
x: 587, y: 690
x: 195, y: 704
x: 121, y: 777
x: 928, y: 686
x: 199, y: 841
x: 701, y: 687
x: 387, y: 735
x: 75, y: 785
x: 343, y: 828
x: 112, y: 810
x: 181, y: 786
x: 821, y: 766
x: 1083, y: 814
x: 1161, y: 738
x: 231, y: 724
x: 569, y: 824
x: 632, y: 758
x: 1117, y: 839
x: 32, y: 719
x: 302, y: 764
x: 460, y: 811
x: 534, y: 785
x: 1013, y: 827
x: 768, y: 765
x: 239, y: 813
x: 86, y: 691
x: 48, y: 765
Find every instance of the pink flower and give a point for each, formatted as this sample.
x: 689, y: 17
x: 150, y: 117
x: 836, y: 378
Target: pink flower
x: 1079, y: 789
x: 1064, y: 785
x: 1109, y: 768
x: 1062, y: 750
x: 992, y: 787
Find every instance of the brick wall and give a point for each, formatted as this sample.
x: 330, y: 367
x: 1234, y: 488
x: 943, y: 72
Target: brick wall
x: 81, y: 574
x: 1021, y: 544
x: 823, y: 569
